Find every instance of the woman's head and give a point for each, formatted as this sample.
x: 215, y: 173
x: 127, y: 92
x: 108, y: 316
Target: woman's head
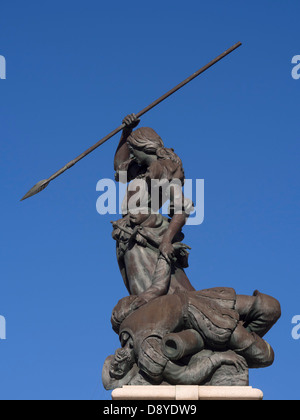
x: 145, y: 139
x: 143, y: 144
x: 147, y: 147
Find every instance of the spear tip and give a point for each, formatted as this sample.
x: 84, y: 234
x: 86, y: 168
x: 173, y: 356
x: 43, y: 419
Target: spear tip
x: 40, y: 186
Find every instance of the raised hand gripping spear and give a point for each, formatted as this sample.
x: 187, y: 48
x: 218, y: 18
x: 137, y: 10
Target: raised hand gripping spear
x: 40, y: 186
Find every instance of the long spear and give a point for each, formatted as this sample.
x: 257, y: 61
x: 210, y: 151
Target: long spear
x: 45, y: 182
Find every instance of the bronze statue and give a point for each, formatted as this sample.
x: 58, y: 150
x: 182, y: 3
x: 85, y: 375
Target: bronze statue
x: 169, y: 332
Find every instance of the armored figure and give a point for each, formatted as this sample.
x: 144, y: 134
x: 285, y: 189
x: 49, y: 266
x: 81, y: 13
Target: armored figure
x: 213, y: 321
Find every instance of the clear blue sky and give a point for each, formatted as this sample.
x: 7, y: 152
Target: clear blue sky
x: 74, y: 69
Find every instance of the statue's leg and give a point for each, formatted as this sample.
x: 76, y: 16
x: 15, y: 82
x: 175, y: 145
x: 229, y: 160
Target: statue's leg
x: 258, y: 312
x: 257, y: 352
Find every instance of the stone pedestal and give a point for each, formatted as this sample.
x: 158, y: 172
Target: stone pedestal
x: 186, y: 393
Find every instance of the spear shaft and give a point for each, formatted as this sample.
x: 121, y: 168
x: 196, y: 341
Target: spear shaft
x: 44, y: 183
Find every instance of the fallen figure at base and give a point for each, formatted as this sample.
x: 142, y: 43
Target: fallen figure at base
x: 190, y: 338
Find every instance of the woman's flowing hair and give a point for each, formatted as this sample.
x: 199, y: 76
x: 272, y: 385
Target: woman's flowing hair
x: 148, y: 141
x: 145, y: 139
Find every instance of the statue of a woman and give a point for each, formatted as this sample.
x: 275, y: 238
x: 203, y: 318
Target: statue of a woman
x: 143, y: 235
